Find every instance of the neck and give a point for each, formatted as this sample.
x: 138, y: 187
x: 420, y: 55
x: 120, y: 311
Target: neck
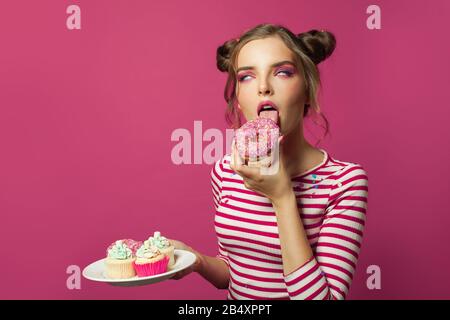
x: 295, y: 151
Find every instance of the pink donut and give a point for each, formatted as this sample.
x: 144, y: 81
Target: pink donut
x: 256, y: 138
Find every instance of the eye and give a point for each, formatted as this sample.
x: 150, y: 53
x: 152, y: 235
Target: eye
x: 242, y: 78
x: 287, y: 72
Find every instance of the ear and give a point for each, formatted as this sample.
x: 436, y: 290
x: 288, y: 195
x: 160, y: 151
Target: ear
x: 239, y: 106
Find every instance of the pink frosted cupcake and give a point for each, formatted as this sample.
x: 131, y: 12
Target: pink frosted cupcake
x: 133, y: 245
x: 150, y: 261
x: 255, y: 142
x: 119, y: 261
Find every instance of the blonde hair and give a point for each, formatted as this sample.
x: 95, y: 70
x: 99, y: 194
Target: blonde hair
x: 309, y: 48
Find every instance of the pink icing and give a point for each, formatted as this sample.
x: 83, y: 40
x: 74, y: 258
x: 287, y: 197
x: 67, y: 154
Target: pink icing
x: 132, y: 244
x: 256, y: 138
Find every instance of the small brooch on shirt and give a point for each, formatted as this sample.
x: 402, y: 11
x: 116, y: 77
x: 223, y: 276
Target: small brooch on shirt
x: 315, y: 180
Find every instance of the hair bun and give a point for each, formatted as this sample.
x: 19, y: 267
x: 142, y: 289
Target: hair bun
x: 223, y: 55
x: 318, y: 45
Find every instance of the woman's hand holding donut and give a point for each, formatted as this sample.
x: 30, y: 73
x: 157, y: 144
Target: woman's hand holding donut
x: 273, y: 186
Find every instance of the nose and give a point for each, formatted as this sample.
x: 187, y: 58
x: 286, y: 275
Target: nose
x: 264, y: 88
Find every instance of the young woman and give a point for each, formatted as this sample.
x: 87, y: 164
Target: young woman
x: 295, y: 234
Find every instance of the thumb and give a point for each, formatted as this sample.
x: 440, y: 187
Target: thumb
x: 280, y: 145
x: 280, y: 140
x: 178, y: 244
x: 279, y: 156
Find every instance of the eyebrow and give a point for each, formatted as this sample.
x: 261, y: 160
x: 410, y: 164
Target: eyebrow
x: 273, y: 65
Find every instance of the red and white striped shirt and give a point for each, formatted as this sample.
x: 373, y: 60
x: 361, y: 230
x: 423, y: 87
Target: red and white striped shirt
x: 332, y: 199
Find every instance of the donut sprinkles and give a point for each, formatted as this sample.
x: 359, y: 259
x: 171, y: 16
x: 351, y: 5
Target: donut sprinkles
x: 256, y: 139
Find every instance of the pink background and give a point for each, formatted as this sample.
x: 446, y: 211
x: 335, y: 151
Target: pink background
x: 86, y: 118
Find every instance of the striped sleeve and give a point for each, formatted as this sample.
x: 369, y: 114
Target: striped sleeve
x: 329, y: 273
x: 216, y: 185
x: 216, y: 182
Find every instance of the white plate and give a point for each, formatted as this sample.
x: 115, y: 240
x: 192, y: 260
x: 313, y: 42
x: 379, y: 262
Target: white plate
x: 96, y: 271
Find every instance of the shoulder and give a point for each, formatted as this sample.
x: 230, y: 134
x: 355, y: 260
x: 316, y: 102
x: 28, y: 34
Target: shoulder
x: 350, y: 188
x: 349, y: 174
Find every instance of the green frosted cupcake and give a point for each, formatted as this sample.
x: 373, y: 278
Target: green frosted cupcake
x: 164, y: 246
x: 119, y: 261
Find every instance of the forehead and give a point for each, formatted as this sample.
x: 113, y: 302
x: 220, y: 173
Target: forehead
x: 262, y: 52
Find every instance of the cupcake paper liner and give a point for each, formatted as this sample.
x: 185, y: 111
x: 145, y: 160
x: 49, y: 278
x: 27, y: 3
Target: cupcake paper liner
x: 151, y: 268
x: 120, y: 269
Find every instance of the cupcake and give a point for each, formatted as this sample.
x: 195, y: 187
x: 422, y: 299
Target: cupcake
x: 119, y: 261
x: 256, y: 141
x: 150, y: 261
x: 133, y: 245
x: 164, y: 246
